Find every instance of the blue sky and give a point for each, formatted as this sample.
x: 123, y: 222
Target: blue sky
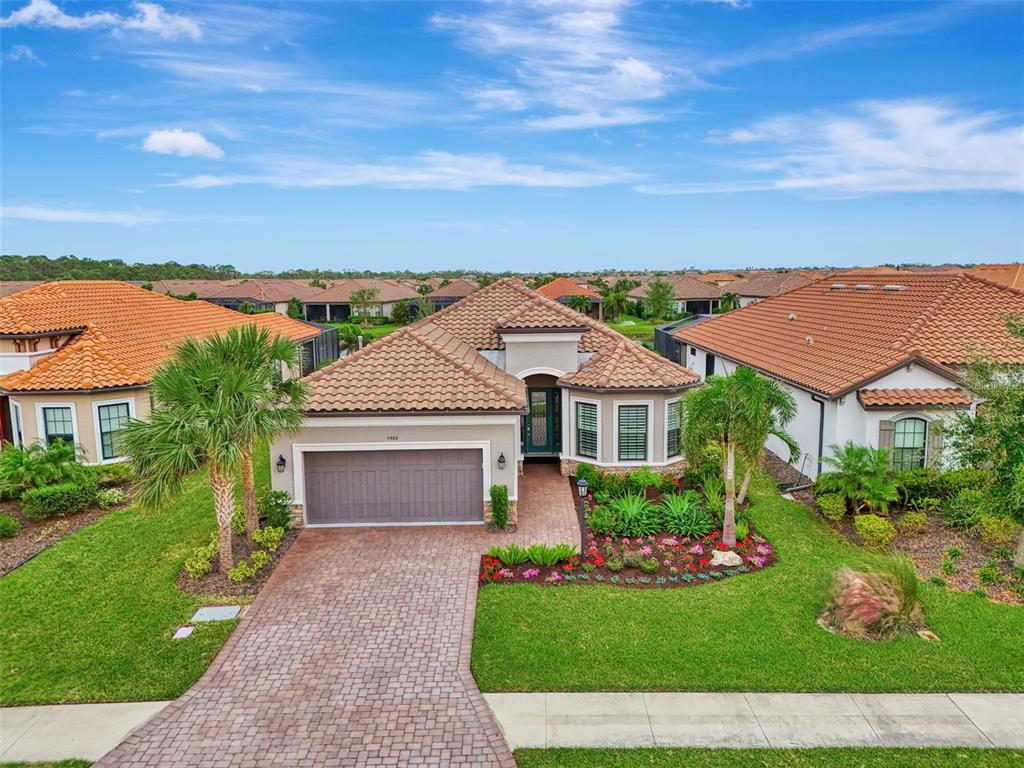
x: 543, y: 135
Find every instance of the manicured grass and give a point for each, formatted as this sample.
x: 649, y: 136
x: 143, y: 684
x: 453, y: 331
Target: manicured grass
x: 61, y: 764
x: 849, y: 757
x: 755, y: 632
x: 91, y: 618
x: 634, y: 327
x: 374, y: 332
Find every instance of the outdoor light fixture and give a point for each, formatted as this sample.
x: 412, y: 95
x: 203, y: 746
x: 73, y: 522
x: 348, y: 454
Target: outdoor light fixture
x: 581, y: 486
x: 281, y: 463
x: 501, y: 461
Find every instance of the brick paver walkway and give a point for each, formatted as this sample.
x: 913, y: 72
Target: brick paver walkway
x: 356, y: 653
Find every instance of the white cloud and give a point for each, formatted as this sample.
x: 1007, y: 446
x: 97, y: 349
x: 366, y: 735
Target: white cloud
x: 876, y: 147
x: 176, y: 141
x: 608, y: 119
x: 149, y: 17
x: 427, y: 170
x: 64, y: 215
x: 23, y: 53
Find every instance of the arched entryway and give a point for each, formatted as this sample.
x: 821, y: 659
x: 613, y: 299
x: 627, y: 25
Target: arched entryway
x: 542, y: 425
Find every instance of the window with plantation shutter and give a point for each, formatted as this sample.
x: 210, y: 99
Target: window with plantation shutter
x: 672, y: 422
x: 586, y: 430
x: 632, y: 433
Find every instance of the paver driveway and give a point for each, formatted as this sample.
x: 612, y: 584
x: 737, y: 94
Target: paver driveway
x: 356, y: 653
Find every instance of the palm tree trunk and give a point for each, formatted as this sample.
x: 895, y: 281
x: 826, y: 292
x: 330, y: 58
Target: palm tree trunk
x: 1018, y: 556
x: 745, y: 485
x: 224, y: 506
x: 252, y: 518
x: 729, y: 523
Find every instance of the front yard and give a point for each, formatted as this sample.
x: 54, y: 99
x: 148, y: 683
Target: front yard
x: 90, y: 619
x: 756, y: 633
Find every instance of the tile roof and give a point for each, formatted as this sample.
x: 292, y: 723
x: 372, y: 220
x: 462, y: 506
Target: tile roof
x: 457, y: 288
x: 563, y: 286
x: 762, y: 286
x: 718, y: 276
x: 417, y: 368
x: 201, y: 288
x: 341, y: 291
x: 271, y: 290
x: 889, y: 398
x: 435, y: 366
x: 830, y: 339
x: 121, y: 332
x: 684, y: 286
x: 1006, y: 274
x: 7, y: 287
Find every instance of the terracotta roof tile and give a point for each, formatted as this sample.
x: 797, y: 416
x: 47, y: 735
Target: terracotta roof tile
x: 563, y: 286
x: 1006, y: 274
x: 457, y: 288
x: 271, y: 290
x: 7, y: 287
x: 684, y: 286
x: 626, y: 365
x: 126, y: 331
x: 887, y: 398
x: 762, y: 286
x: 830, y: 338
x: 341, y: 291
x: 716, y: 277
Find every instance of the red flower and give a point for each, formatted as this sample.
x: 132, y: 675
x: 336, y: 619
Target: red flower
x: 704, y: 561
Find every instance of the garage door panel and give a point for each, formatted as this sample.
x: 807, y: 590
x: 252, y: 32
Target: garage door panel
x: 399, y: 486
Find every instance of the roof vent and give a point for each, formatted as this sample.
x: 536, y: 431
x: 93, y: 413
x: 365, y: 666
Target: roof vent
x: 792, y: 315
x: 862, y: 287
x: 837, y: 286
x: 810, y: 341
x: 892, y: 287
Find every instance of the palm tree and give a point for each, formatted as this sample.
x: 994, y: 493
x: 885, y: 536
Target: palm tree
x: 278, y: 409
x: 771, y: 409
x: 735, y: 411
x: 580, y: 303
x: 729, y: 302
x: 862, y: 474
x: 200, y: 407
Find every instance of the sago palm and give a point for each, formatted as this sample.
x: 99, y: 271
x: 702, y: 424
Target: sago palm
x: 862, y: 475
x: 200, y: 408
x: 277, y: 408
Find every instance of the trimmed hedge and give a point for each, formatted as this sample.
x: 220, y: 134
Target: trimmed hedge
x: 499, y: 505
x: 61, y: 499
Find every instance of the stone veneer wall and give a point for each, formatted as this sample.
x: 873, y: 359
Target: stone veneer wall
x: 676, y: 468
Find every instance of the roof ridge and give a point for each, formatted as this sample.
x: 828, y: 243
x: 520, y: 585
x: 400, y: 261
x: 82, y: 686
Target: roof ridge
x: 387, y: 341
x: 461, y: 363
x: 903, y: 341
x: 995, y: 284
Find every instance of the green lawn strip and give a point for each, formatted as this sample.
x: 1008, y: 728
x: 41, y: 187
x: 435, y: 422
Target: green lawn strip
x: 90, y: 619
x: 633, y: 327
x: 833, y: 757
x: 755, y: 632
x: 59, y: 764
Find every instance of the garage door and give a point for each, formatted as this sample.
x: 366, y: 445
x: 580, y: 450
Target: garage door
x: 415, y: 486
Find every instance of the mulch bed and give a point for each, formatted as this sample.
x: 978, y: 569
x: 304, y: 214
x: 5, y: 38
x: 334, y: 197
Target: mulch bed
x: 216, y: 583
x: 36, y: 535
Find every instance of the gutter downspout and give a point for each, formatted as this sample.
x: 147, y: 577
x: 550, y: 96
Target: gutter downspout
x: 821, y: 429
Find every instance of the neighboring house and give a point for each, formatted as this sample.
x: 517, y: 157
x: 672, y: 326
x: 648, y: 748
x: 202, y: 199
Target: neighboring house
x: 416, y: 427
x: 446, y: 295
x: 180, y: 288
x: 262, y: 295
x: 1011, y: 275
x: 690, y: 295
x: 872, y: 358
x: 718, y: 278
x: 334, y: 303
x: 561, y: 289
x: 756, y: 288
x: 7, y: 287
x: 76, y: 357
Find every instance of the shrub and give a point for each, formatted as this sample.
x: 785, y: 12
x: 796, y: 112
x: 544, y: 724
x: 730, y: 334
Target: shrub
x: 614, y: 564
x: 200, y: 562
x: 714, y: 494
x: 969, y: 478
x: 996, y: 530
x: 742, y: 529
x: 707, y: 463
x: 875, y: 531
x: 862, y: 474
x: 937, y: 580
x: 949, y: 567
x: 636, y: 516
x: 989, y: 573
x: 920, y: 483
x: 633, y: 558
x: 238, y: 521
x: 877, y: 605
x: 964, y: 510
x: 926, y: 504
x: 38, y: 465
x: 259, y: 559
x: 953, y: 553
x: 911, y: 522
x: 593, y: 476
x: 544, y: 555
x: 111, y: 475
x: 60, y: 499
x: 269, y: 538
x: 512, y: 554
x: 241, y: 572
x: 832, y: 505
x: 683, y: 515
x: 111, y: 497
x: 649, y: 565
x: 8, y: 526
x: 603, y: 521
x: 499, y: 505
x: 641, y: 479
x: 275, y: 508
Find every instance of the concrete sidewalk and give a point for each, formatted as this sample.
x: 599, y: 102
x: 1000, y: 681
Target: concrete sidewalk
x: 759, y: 719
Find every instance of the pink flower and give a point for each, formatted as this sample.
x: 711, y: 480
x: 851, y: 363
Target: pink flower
x: 666, y: 562
x: 531, y: 572
x: 646, y: 551
x: 625, y: 540
x: 764, y: 549
x: 696, y: 549
x: 669, y: 542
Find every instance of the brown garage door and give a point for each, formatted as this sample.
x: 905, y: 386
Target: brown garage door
x: 415, y: 486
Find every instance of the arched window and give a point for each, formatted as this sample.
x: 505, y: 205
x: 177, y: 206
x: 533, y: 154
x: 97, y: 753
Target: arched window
x: 909, y: 441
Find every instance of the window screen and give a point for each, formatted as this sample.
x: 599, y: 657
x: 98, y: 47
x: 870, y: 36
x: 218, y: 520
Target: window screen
x: 632, y: 433
x: 586, y: 430
x: 672, y: 421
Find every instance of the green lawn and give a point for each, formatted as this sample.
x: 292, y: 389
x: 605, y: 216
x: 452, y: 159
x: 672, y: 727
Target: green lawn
x: 374, y: 332
x: 91, y: 618
x: 634, y: 327
x: 849, y: 757
x: 60, y: 764
x: 755, y: 632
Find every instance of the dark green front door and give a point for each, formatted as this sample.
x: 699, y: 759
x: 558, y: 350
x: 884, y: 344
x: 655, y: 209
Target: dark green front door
x: 542, y: 426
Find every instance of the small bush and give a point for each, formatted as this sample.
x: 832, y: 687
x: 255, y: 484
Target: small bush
x: 593, y: 476
x: 641, y: 479
x: 8, y: 526
x: 937, y: 580
x: 269, y: 538
x: 875, y: 531
x: 636, y: 516
x: 200, y: 562
x: 603, y: 521
x: 965, y: 478
x: 259, y: 558
x: 274, y: 507
x: 61, y: 499
x: 649, y: 566
x: 877, y: 605
x: 112, y: 475
x: 683, y: 515
x: 499, y: 505
x: 547, y: 556
x: 996, y: 530
x: 614, y: 564
x: 964, y: 510
x: 512, y: 554
x: 953, y: 553
x: 241, y: 572
x: 926, y: 504
x: 111, y: 497
x: 949, y: 567
x: 832, y: 505
x: 714, y: 495
x: 742, y: 529
x: 920, y: 483
x: 989, y: 573
x: 912, y: 522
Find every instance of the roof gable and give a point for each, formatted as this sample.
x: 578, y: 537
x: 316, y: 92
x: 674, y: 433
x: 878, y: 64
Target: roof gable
x: 563, y: 286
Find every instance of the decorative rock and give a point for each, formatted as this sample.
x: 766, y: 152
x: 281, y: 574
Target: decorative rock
x: 216, y: 613
x: 183, y: 632
x: 727, y: 558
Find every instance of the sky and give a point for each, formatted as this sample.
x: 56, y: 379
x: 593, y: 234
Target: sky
x: 535, y: 135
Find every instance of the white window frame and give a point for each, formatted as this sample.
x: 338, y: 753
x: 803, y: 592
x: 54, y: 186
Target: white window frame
x: 574, y: 456
x: 130, y: 402
x: 649, y: 459
x: 41, y: 421
x: 928, y: 424
x: 17, y: 417
x: 669, y: 405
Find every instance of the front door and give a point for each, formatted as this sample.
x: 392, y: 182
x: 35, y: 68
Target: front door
x: 542, y: 426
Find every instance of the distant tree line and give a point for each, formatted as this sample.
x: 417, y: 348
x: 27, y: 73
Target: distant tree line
x: 73, y: 268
